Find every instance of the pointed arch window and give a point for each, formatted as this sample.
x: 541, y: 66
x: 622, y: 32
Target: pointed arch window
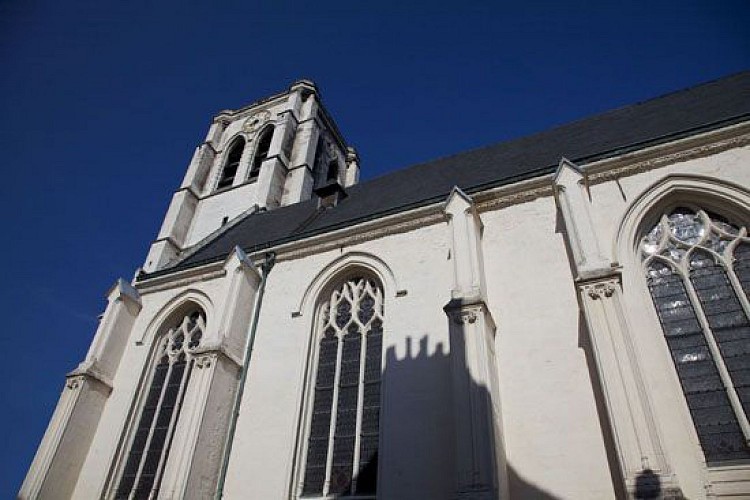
x: 333, y: 171
x: 697, y: 267
x: 318, y: 162
x: 341, y: 453
x: 261, y: 151
x: 232, y: 163
x: 150, y: 444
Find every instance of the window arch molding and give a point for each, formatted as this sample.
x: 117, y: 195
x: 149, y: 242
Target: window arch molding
x: 170, y: 336
x: 693, y: 192
x: 223, y: 159
x: 180, y: 302
x: 339, y: 266
x: 669, y: 193
x: 265, y: 133
x: 319, y: 302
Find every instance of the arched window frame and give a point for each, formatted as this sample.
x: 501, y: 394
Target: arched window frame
x: 227, y: 165
x: 259, y: 156
x: 318, y: 166
x: 666, y: 254
x: 672, y: 426
x: 162, y: 345
x: 318, y: 330
x: 332, y: 174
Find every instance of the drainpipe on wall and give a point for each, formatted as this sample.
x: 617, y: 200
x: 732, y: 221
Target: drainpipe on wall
x: 266, y: 267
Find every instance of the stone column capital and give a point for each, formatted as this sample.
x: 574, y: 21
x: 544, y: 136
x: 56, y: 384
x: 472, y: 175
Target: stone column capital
x: 88, y: 370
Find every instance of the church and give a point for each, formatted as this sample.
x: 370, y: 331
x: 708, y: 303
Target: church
x: 561, y: 316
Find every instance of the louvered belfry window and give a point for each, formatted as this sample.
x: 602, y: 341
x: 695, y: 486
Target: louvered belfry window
x: 697, y: 266
x: 261, y: 151
x: 150, y: 445
x: 229, y: 172
x: 341, y: 457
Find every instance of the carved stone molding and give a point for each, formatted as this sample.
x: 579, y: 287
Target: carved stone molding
x: 523, y: 196
x: 342, y: 241
x: 204, y: 361
x: 600, y: 290
x: 469, y: 311
x: 660, y: 161
x: 256, y: 122
x: 214, y: 351
x: 74, y: 383
x: 88, y: 370
x: 463, y: 317
x: 175, y: 280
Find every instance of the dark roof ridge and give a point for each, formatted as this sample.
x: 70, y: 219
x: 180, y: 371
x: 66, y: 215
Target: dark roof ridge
x: 554, y: 128
x: 672, y: 116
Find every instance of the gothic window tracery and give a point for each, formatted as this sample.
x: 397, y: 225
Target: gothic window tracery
x: 341, y: 457
x: 232, y: 163
x: 149, y: 448
x: 697, y: 266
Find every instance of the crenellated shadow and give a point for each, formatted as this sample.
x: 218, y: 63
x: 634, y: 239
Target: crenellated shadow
x: 417, y: 456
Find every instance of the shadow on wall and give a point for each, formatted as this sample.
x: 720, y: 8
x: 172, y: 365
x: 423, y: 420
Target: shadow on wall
x: 418, y: 429
x: 647, y: 485
x: 523, y: 490
x: 605, y: 424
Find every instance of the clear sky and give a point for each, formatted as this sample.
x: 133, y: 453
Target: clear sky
x: 102, y: 103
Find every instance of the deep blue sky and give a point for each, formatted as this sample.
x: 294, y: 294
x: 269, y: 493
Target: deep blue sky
x: 102, y: 103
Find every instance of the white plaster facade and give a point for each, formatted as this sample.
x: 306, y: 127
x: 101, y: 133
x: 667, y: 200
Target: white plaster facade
x: 522, y: 354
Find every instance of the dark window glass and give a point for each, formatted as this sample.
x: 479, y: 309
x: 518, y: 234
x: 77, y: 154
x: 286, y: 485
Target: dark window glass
x: 727, y: 319
x: 333, y: 171
x: 698, y: 293
x: 742, y: 266
x: 317, y: 450
x: 261, y: 151
x: 153, y: 436
x: 352, y: 314
x: 229, y: 172
x: 369, y: 433
x: 715, y: 422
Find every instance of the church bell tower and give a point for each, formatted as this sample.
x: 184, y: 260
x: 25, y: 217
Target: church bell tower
x: 271, y: 153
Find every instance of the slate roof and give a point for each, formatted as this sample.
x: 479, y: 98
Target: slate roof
x: 701, y: 108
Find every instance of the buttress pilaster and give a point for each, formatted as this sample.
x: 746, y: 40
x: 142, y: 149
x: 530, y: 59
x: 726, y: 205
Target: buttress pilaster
x: 629, y: 409
x: 57, y: 464
x: 193, y: 469
x: 574, y: 204
x: 200, y: 437
x: 479, y: 449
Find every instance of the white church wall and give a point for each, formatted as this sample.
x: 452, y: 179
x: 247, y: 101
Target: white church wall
x: 416, y: 374
x: 552, y: 432
x: 211, y: 211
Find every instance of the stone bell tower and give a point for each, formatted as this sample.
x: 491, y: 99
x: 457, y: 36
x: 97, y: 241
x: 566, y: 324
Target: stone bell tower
x: 271, y: 153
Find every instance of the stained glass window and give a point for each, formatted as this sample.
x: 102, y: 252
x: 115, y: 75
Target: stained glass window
x: 698, y: 270
x: 341, y: 457
x: 150, y: 445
